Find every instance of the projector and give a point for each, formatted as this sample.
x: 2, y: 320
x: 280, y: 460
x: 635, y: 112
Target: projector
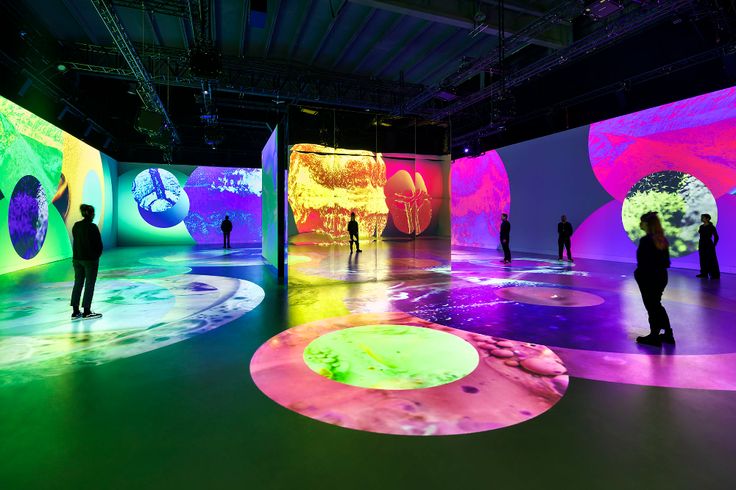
x: 602, y: 8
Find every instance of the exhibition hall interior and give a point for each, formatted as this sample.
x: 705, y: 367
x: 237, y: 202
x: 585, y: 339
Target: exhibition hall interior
x: 367, y: 244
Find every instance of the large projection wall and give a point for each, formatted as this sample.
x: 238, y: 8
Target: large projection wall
x: 45, y: 174
x: 392, y: 194
x: 678, y: 159
x: 180, y: 205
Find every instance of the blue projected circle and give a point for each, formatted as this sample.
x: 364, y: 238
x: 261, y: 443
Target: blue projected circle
x: 161, y: 200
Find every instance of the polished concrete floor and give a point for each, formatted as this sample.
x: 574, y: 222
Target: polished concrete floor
x: 160, y: 393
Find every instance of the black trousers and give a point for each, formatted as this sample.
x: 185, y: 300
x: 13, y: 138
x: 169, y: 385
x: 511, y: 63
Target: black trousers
x: 564, y: 242
x: 225, y: 239
x: 354, y: 237
x: 506, y: 249
x: 708, y: 260
x: 85, y: 275
x: 651, y: 286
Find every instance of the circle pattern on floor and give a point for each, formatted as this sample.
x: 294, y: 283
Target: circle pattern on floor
x: 39, y: 339
x: 391, y: 357
x: 513, y: 382
x: 545, y: 296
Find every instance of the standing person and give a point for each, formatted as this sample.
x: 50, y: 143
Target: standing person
x: 652, y: 261
x: 505, y: 237
x: 226, y: 227
x: 86, y: 251
x: 564, y: 232
x: 707, y: 248
x: 353, y: 231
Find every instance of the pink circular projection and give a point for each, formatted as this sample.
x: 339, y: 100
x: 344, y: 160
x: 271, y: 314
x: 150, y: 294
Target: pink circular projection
x: 514, y: 382
x: 567, y: 298
x: 480, y: 193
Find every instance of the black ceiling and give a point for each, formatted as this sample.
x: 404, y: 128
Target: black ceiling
x: 435, y: 60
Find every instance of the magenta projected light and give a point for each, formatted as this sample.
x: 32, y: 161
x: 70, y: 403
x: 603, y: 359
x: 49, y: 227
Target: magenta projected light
x: 28, y: 217
x: 480, y: 193
x: 312, y: 369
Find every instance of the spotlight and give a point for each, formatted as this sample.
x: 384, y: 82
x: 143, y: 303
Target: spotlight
x: 61, y: 67
x: 466, y: 150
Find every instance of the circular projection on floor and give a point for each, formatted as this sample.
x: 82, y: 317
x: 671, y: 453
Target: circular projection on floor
x: 161, y: 200
x: 209, y: 258
x: 544, y: 296
x: 28, y: 217
x: 512, y: 383
x: 391, y: 357
x: 679, y: 198
x: 38, y: 338
x: 218, y: 192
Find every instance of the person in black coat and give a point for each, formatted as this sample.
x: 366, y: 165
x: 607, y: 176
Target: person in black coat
x: 652, y: 262
x: 505, y: 237
x: 226, y: 226
x: 86, y: 252
x: 353, y: 231
x: 564, y: 232
x: 707, y: 248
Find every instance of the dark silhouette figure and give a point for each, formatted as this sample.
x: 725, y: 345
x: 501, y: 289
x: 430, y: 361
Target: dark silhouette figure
x: 505, y: 237
x: 564, y: 232
x: 86, y: 251
x: 707, y: 248
x: 652, y: 262
x: 226, y: 227
x: 353, y: 231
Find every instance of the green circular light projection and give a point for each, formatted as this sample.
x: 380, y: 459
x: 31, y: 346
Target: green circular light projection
x: 391, y: 357
x: 679, y: 199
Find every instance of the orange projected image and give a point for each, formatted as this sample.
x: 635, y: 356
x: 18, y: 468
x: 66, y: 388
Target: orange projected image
x: 326, y: 184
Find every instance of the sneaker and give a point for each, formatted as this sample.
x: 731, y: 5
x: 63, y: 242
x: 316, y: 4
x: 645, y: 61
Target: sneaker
x: 91, y: 315
x: 359, y: 251
x: 76, y: 315
x: 702, y: 275
x: 649, y: 340
x: 667, y: 338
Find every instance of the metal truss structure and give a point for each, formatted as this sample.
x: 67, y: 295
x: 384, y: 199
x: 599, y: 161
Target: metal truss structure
x: 137, y: 71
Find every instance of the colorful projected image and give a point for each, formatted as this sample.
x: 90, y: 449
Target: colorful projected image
x: 408, y: 202
x: 480, y: 193
x: 186, y: 205
x: 327, y: 184
x: 488, y: 384
x: 679, y: 199
x: 41, y: 165
x: 161, y: 200
x: 216, y: 192
x: 28, y: 217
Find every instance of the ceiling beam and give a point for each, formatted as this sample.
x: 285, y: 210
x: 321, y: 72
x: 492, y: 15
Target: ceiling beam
x: 358, y: 32
x: 306, y: 14
x: 399, y: 52
x: 273, y: 28
x: 328, y: 32
x: 460, y: 13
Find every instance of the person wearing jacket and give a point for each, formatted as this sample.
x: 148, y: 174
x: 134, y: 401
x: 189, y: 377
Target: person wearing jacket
x: 86, y: 252
x: 564, y: 232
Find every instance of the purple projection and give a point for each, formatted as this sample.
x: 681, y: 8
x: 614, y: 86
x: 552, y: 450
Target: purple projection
x: 28, y: 217
x: 480, y: 193
x: 695, y: 138
x: 216, y: 192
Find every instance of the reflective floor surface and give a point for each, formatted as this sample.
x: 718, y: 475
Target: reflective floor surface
x: 406, y: 366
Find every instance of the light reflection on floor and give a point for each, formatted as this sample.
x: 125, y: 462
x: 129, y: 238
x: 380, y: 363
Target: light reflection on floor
x: 466, y: 291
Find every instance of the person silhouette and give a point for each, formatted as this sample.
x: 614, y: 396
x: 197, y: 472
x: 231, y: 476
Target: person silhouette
x: 652, y: 262
x: 564, y: 232
x: 707, y: 248
x: 86, y: 252
x: 505, y: 237
x: 226, y: 227
x: 353, y: 231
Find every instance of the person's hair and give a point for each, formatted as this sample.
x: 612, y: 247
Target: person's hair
x: 654, y: 228
x: 352, y: 215
x: 706, y: 216
x: 504, y: 215
x: 86, y: 210
x: 227, y: 217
